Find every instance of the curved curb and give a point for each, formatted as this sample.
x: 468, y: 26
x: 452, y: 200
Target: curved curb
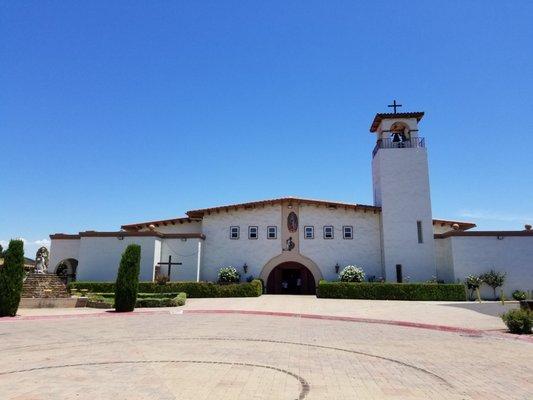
x: 498, y: 334
x: 406, y: 324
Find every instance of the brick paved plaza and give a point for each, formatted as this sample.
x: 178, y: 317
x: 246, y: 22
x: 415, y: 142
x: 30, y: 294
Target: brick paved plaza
x: 188, y: 353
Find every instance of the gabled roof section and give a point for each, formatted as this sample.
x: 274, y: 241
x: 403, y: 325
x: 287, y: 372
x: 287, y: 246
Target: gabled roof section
x: 463, y: 226
x: 197, y: 215
x: 381, y: 116
x: 296, y: 200
x: 162, y: 222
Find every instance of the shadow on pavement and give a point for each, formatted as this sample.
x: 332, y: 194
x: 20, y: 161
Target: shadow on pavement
x: 494, y: 309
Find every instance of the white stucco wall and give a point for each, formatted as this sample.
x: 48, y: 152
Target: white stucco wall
x: 478, y: 254
x: 219, y: 250
x: 401, y: 188
x: 363, y: 250
x: 99, y: 257
x: 61, y: 249
x: 183, y: 251
x: 444, y: 260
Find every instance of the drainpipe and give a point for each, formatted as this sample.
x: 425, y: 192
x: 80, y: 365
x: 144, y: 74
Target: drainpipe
x: 199, y: 258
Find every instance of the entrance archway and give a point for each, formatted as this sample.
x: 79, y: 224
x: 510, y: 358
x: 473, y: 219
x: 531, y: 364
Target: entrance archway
x: 66, y: 270
x: 291, y: 278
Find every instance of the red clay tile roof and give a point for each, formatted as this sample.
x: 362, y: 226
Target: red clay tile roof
x: 483, y: 233
x: 297, y: 200
x: 381, y: 116
x: 164, y: 222
x: 59, y: 236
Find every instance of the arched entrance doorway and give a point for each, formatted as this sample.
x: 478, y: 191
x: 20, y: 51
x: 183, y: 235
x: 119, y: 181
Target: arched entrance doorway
x: 291, y: 278
x: 66, y: 270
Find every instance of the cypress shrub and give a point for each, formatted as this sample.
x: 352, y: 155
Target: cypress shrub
x: 11, y: 277
x: 391, y: 291
x: 127, y: 283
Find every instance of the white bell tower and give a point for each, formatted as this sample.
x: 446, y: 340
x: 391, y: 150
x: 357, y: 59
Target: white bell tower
x: 400, y: 179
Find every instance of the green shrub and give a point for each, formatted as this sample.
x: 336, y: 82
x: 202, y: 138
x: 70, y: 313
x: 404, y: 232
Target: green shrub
x: 11, y: 277
x: 154, y: 302
x: 518, y: 321
x: 352, y: 273
x: 127, y: 284
x: 193, y: 289
x: 391, y: 291
x: 180, y: 299
x: 519, y: 295
x: 228, y: 275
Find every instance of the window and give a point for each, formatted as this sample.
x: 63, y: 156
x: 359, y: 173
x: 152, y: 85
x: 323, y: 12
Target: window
x: 272, y: 232
x: 252, y: 232
x: 347, y: 232
x: 234, y: 232
x: 328, y: 232
x: 309, y: 232
x: 419, y: 231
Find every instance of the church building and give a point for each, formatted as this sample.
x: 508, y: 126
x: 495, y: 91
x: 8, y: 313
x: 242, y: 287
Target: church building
x: 291, y: 243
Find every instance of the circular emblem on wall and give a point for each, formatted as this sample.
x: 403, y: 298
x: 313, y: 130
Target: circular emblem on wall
x: 292, y: 222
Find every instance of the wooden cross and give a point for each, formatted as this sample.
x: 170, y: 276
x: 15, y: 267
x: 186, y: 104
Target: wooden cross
x: 394, y: 105
x: 169, y: 264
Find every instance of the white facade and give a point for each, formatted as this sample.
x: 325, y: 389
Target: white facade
x: 398, y: 230
x: 475, y: 255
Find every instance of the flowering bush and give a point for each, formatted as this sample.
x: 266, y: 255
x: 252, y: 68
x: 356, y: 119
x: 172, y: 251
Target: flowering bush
x: 473, y: 282
x: 228, y: 275
x: 519, y: 295
x: 352, y: 273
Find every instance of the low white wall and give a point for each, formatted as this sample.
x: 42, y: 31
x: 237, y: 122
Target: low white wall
x: 61, y: 249
x: 363, y: 250
x: 443, y: 255
x: 478, y: 254
x: 99, y: 257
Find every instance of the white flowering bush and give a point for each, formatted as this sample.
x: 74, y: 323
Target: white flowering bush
x: 228, y: 275
x: 352, y: 273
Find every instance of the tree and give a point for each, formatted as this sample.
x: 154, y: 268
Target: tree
x: 473, y: 282
x: 127, y: 284
x: 11, y: 277
x: 494, y: 279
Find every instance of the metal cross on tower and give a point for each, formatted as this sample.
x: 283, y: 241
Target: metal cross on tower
x: 394, y: 105
x: 169, y: 264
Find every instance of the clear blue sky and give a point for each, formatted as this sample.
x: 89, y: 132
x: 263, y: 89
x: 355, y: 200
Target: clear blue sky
x: 113, y: 112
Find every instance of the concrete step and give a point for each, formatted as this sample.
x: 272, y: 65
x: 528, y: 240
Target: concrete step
x: 44, y: 286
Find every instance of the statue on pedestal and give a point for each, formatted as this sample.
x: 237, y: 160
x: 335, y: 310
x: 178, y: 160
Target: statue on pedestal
x: 41, y: 261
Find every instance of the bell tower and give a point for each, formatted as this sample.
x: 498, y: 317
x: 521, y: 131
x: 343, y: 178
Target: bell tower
x: 400, y: 178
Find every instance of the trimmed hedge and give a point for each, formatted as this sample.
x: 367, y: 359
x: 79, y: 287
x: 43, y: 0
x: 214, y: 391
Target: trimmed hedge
x: 391, y: 291
x: 193, y: 289
x: 147, y: 300
x: 176, y: 301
